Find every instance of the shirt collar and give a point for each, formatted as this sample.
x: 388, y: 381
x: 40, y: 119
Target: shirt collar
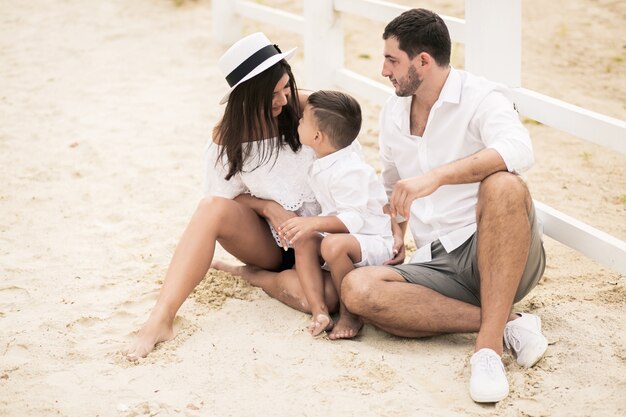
x: 328, y: 160
x: 450, y: 93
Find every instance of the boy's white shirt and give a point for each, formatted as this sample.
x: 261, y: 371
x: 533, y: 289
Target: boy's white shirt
x: 347, y: 187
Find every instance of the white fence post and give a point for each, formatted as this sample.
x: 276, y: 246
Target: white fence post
x: 323, y: 43
x: 226, y: 22
x: 493, y: 46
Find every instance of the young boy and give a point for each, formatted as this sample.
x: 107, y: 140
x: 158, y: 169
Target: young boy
x: 352, y: 229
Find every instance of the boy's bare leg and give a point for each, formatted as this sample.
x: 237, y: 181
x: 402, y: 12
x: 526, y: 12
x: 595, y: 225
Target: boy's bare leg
x: 341, y: 252
x: 312, y: 282
x: 239, y: 230
x: 283, y: 286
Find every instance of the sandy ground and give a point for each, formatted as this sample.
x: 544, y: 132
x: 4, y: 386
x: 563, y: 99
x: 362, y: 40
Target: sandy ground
x: 104, y: 111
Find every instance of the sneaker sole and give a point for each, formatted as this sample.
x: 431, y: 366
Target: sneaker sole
x: 488, y: 398
x: 535, y: 355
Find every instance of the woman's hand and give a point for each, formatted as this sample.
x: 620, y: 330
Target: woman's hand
x: 277, y: 215
x: 297, y: 227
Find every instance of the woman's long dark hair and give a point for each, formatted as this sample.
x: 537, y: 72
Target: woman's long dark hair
x: 248, y: 118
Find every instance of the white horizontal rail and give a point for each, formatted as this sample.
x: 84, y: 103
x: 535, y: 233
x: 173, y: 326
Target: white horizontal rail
x: 284, y: 20
x: 382, y: 11
x: 599, y: 246
x: 582, y: 123
x: 579, y: 122
x: 362, y: 86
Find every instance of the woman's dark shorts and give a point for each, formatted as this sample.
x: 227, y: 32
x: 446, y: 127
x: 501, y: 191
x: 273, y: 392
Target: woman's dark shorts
x: 288, y: 259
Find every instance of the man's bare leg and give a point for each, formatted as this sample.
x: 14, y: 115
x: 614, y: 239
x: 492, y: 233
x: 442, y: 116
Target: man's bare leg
x: 341, y: 252
x: 381, y: 296
x: 502, y: 250
x: 238, y: 228
x: 283, y: 286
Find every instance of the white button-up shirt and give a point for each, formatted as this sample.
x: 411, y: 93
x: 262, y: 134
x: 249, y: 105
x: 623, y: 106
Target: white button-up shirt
x: 471, y: 114
x: 347, y: 187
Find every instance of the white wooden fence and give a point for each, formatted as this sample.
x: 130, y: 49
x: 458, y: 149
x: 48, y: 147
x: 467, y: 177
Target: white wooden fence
x: 491, y: 32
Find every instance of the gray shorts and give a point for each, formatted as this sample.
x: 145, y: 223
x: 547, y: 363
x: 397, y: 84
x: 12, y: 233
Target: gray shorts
x: 455, y: 274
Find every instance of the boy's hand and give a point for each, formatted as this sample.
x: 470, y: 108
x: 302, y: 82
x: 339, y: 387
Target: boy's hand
x: 398, y: 251
x: 295, y: 228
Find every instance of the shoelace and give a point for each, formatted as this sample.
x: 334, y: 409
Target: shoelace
x: 490, y: 364
x: 511, y: 334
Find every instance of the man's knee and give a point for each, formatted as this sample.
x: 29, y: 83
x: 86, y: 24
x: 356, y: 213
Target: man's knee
x: 503, y: 182
x: 357, y: 289
x: 503, y: 189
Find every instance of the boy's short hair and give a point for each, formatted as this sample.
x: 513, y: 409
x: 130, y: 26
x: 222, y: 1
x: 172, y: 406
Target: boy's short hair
x: 338, y: 115
x: 420, y: 30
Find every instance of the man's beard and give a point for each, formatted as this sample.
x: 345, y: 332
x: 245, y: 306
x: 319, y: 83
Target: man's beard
x: 408, y: 86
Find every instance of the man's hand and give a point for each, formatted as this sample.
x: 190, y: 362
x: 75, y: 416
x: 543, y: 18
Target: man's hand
x: 408, y: 190
x: 297, y: 227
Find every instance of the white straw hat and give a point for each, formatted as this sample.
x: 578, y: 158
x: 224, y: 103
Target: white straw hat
x: 248, y: 57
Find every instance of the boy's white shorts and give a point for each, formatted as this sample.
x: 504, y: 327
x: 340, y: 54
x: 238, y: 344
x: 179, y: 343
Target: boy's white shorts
x: 375, y: 250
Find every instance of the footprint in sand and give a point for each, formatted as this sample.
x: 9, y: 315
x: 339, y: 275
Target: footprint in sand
x: 12, y: 298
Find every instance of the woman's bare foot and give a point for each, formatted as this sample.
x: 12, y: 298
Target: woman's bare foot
x: 155, y: 330
x: 321, y: 322
x: 347, y: 327
x: 238, y: 270
x: 254, y: 275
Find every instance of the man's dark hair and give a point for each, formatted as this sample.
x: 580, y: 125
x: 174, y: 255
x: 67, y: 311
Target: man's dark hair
x: 420, y: 30
x: 338, y: 115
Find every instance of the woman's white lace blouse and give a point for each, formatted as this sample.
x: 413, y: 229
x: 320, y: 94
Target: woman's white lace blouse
x: 282, y: 178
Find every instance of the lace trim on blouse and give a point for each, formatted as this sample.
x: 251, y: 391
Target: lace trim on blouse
x: 284, y: 179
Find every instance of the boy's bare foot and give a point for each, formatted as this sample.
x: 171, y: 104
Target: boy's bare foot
x: 321, y: 322
x: 154, y: 331
x: 347, y: 327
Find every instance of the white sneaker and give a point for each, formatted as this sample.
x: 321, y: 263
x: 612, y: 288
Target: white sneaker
x: 524, y: 336
x: 488, y: 383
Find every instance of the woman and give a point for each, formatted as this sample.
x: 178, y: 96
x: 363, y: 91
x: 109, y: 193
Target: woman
x: 256, y: 178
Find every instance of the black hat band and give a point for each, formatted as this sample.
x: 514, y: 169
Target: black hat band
x: 251, y: 63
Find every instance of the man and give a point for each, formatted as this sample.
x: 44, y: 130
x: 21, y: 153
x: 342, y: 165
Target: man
x: 451, y: 146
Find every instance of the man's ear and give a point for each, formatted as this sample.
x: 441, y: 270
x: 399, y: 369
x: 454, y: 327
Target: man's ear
x: 420, y: 60
x: 424, y: 59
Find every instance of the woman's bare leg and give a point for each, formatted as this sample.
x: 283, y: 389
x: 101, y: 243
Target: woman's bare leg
x: 238, y: 226
x: 283, y: 286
